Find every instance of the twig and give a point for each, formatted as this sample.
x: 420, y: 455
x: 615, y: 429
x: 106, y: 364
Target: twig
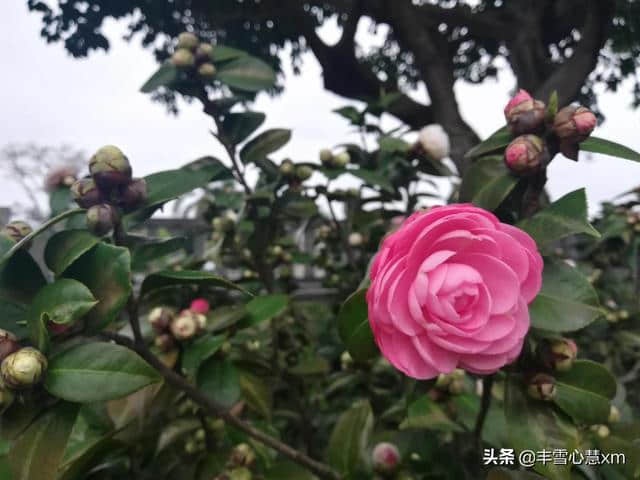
x: 213, y: 408
x: 485, y: 403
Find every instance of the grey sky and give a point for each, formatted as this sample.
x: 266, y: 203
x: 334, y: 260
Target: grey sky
x: 50, y: 98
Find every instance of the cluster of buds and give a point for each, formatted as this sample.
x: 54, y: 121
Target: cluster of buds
x: 451, y: 382
x: 385, y: 458
x: 557, y: 354
x: 295, y: 174
x: 110, y: 190
x: 279, y: 254
x: 433, y: 142
x: 190, y: 53
x: 329, y: 160
x: 171, y: 326
x: 239, y: 464
x: 16, y: 230
x: 527, y: 117
x: 22, y: 368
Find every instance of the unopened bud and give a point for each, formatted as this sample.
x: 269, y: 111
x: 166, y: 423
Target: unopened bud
x: 222, y: 224
x: 110, y: 168
x: 16, y: 230
x: 385, y: 458
x: 160, y: 318
x: 342, y: 159
x: 164, y: 342
x: 525, y: 155
x: 85, y: 193
x: 133, y: 194
x: 525, y: 114
x: 206, y: 70
x: 345, y: 360
x: 434, y: 141
x: 574, y: 124
x: 242, y: 455
x: 101, y: 219
x: 23, y: 369
x: 8, y: 344
x: 188, y: 40
x: 601, y: 430
x: 558, y: 354
x: 199, y: 305
x: 614, y: 414
x: 185, y: 326
x: 456, y: 387
x: 542, y: 387
x: 287, y: 168
x: 304, y: 172
x: 356, y: 239
x: 183, y: 58
x: 204, y: 51
x: 326, y: 157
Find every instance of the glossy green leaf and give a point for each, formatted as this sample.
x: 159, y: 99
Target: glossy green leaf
x: 393, y: 144
x: 256, y: 392
x: 222, y: 53
x: 264, y: 308
x: 290, y: 471
x: 496, y: 141
x: 66, y: 247
x: 607, y: 147
x: 200, y: 350
x: 487, y: 182
x: 163, y: 77
x: 350, y: 113
x: 264, y: 144
x: 566, y: 302
x: 354, y: 329
x: 106, y: 271
x: 565, y: 216
x: 349, y: 439
x: 63, y: 302
x: 237, y: 127
x: 170, y: 278
x: 424, y: 413
x: 247, y: 73
x: 97, y: 372
x: 153, y: 251
x: 38, y: 452
x: 219, y: 380
x: 60, y: 200
x: 591, y: 376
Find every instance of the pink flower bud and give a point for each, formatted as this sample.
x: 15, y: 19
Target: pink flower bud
x: 385, y: 457
x: 525, y: 155
x: 574, y: 124
x: 521, y: 96
x: 524, y: 114
x: 200, y: 305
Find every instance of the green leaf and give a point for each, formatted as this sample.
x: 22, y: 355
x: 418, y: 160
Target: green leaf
x: 106, y: 271
x: 63, y: 302
x: 496, y: 141
x: 66, y: 247
x: 487, y: 183
x: 163, y: 77
x: 247, y: 73
x: 170, y: 278
x: 149, y: 252
x: 97, y: 372
x: 199, y: 351
x: 565, y: 216
x: 349, y: 439
x: 289, y: 471
x: 606, y: 147
x: 257, y: 393
x: 552, y: 107
x: 264, y: 308
x: 264, y: 144
x: 393, y: 144
x: 354, y: 329
x: 424, y: 413
x: 350, y: 113
x: 38, y: 452
x: 219, y: 380
x: 60, y: 200
x: 566, y: 302
x: 373, y: 178
x: 238, y: 126
x: 223, y: 53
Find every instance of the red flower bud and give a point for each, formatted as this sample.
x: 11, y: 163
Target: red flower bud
x: 574, y: 124
x: 200, y: 305
x: 525, y: 155
x: 101, y: 219
x: 385, y: 457
x: 525, y: 114
x: 8, y: 344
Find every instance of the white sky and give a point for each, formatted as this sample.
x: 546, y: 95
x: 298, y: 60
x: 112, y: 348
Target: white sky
x: 50, y: 98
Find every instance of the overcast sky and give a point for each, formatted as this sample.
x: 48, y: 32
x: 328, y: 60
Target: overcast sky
x: 50, y: 98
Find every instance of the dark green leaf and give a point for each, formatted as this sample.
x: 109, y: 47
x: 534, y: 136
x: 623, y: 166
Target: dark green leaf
x: 350, y: 113
x: 97, y: 372
x: 424, y: 413
x: 264, y: 308
x: 220, y: 381
x: 38, y: 452
x: 264, y: 144
x: 238, y: 126
x: 606, y: 147
x: 257, y: 393
x: 349, y: 439
x: 63, y: 301
x: 59, y: 200
x: 498, y: 140
x: 163, y: 77
x: 223, y: 53
x: 591, y: 376
x: 169, y: 278
x: 566, y: 302
x: 393, y: 144
x: 152, y: 251
x: 354, y: 329
x: 66, y: 247
x: 247, y: 73
x: 199, y: 351
x: 289, y: 471
x: 565, y: 216
x: 373, y: 178
x: 106, y: 271
x: 311, y: 365
x: 487, y: 183
x: 582, y: 405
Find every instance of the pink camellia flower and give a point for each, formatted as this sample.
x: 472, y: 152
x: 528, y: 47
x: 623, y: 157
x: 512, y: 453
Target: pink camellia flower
x: 451, y: 289
x: 200, y: 305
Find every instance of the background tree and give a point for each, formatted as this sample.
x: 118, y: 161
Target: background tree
x: 567, y: 45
